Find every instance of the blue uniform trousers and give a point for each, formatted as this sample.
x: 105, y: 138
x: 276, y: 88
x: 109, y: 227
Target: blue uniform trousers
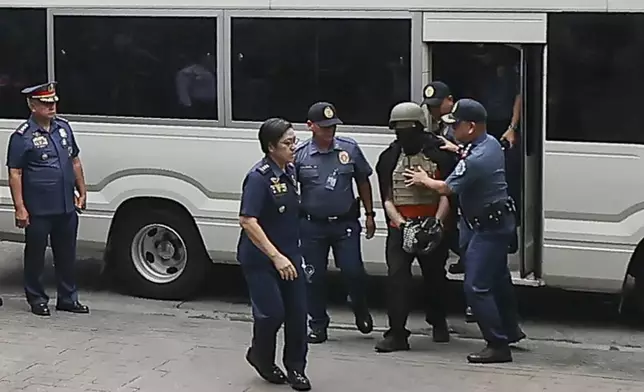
x: 343, y: 237
x: 276, y: 302
x: 488, y: 283
x: 61, y: 229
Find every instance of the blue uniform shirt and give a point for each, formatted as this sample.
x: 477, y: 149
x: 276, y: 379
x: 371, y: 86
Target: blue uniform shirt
x: 326, y: 176
x: 270, y: 195
x: 46, y: 160
x: 479, y: 178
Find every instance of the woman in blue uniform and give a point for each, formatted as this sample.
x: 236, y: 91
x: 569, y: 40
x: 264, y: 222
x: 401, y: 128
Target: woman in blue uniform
x: 270, y: 257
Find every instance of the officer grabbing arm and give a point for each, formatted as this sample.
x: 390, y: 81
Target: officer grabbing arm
x: 487, y: 225
x: 327, y: 165
x: 44, y: 172
x: 415, y: 217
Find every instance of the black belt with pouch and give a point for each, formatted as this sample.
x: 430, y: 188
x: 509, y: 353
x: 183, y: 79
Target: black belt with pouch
x: 352, y: 214
x: 493, y: 215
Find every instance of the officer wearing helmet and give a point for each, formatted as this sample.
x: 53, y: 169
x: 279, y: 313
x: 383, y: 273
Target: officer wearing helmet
x: 414, y: 218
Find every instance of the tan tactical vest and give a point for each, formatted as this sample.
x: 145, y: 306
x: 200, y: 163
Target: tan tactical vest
x: 417, y: 194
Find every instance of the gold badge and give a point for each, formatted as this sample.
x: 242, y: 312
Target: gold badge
x: 328, y: 112
x: 429, y: 92
x: 275, y: 180
x: 343, y: 156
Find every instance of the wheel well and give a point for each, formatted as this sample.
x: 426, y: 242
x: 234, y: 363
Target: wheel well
x: 137, y: 204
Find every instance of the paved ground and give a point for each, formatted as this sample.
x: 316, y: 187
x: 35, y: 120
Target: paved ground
x: 129, y: 344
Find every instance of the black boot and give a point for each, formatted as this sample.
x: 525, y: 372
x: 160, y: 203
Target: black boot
x: 391, y: 343
x: 440, y: 332
x: 298, y: 381
x: 269, y: 372
x: 491, y: 354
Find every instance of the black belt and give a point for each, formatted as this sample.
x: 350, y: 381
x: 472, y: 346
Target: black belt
x: 328, y: 219
x: 493, y: 215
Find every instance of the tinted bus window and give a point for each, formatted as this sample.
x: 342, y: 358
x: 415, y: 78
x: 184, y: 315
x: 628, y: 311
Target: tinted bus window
x: 595, y: 78
x: 23, y: 57
x: 280, y: 66
x: 153, y: 67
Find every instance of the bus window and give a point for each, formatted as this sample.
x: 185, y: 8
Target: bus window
x: 154, y: 67
x: 280, y: 66
x: 23, y: 57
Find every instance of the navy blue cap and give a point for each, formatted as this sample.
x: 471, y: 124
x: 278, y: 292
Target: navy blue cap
x: 434, y: 93
x: 45, y: 92
x: 466, y: 110
x: 324, y: 115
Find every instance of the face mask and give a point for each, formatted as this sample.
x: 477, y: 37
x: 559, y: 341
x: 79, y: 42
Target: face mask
x: 410, y: 139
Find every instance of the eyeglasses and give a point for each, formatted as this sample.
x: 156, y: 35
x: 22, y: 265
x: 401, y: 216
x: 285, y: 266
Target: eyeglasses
x: 290, y: 142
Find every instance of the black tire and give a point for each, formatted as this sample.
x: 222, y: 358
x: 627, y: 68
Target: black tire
x: 127, y: 275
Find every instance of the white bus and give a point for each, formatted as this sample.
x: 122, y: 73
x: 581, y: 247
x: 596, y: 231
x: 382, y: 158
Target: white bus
x: 166, y: 98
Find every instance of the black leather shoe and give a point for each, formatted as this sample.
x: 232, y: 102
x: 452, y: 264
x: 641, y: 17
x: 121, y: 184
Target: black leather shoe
x: 75, y: 307
x: 271, y: 373
x: 364, y: 321
x: 298, y: 381
x: 1, y: 302
x: 318, y: 336
x: 390, y: 344
x: 469, y: 315
x: 491, y: 355
x: 40, y: 310
x: 440, y: 333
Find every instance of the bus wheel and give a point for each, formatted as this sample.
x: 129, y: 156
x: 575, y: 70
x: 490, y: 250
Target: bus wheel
x: 159, y: 254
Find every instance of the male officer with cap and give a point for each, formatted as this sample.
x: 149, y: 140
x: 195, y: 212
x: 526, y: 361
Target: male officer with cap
x: 44, y: 169
x: 487, y: 225
x: 438, y: 99
x: 405, y: 206
x: 326, y: 167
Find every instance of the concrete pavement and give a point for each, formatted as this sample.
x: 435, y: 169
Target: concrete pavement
x: 128, y: 344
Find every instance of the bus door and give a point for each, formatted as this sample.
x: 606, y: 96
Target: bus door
x: 498, y: 59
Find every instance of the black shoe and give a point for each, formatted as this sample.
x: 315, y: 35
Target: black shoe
x: 271, y: 373
x: 40, y: 310
x: 440, y: 333
x: 456, y: 268
x: 298, y: 381
x: 391, y: 343
x: 469, y: 315
x: 491, y: 355
x: 75, y: 307
x: 364, y: 321
x: 1, y: 302
x: 318, y: 336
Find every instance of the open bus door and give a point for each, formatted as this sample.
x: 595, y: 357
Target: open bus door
x: 496, y: 58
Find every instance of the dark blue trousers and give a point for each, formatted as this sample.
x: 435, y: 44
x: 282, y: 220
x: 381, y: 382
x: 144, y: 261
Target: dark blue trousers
x: 61, y: 230
x: 276, y: 302
x: 343, y: 238
x: 488, y: 283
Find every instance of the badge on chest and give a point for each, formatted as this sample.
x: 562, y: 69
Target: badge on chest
x: 39, y: 140
x: 277, y: 187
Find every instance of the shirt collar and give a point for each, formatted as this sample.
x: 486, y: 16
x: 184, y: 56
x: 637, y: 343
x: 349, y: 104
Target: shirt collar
x: 479, y: 139
x: 276, y: 169
x: 316, y: 150
x: 52, y: 125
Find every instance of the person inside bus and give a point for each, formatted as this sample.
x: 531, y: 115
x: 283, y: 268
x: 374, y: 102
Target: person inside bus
x: 413, y: 146
x: 327, y: 167
x: 499, y: 89
x: 269, y: 254
x: 45, y: 172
